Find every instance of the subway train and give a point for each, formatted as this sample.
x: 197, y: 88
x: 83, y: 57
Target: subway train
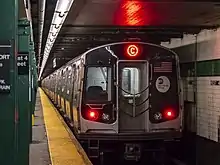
x: 122, y: 96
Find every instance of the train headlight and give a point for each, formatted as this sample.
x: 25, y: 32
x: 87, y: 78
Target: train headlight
x: 158, y: 116
x: 105, y: 117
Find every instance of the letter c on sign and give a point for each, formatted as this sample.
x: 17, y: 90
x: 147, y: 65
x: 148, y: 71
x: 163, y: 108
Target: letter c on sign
x: 132, y: 50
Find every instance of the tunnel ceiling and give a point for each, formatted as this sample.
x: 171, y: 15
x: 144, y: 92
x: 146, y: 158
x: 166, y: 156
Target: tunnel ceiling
x: 96, y: 22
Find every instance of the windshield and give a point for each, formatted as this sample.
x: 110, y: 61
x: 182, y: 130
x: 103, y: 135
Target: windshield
x: 98, y: 84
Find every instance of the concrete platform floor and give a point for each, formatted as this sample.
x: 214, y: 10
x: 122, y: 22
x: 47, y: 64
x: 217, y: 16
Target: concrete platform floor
x: 53, y: 142
x: 39, y: 151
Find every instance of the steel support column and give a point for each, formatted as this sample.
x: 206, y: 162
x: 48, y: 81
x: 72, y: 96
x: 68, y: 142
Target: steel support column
x: 8, y: 101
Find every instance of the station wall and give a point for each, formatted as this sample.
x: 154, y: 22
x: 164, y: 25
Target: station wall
x: 201, y: 55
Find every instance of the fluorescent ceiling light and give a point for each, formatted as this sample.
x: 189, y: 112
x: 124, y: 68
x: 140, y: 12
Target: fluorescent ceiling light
x: 63, y: 5
x: 57, y: 19
x: 53, y: 31
x: 61, y: 11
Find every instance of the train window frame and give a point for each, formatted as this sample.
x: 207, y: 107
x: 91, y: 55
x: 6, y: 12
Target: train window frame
x: 137, y: 82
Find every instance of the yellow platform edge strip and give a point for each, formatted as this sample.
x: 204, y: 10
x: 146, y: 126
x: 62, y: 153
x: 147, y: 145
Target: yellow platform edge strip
x: 32, y: 120
x: 63, y: 146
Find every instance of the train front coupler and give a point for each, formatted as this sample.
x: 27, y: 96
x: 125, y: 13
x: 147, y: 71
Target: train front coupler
x: 132, y: 151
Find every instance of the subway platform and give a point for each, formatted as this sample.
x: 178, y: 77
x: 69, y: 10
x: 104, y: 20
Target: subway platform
x: 53, y: 143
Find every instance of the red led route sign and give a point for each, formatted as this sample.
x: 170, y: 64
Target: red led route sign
x: 132, y: 50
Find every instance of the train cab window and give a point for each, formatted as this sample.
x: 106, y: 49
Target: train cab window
x: 130, y: 81
x: 98, y: 84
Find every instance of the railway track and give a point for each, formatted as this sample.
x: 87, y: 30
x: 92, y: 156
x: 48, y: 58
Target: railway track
x: 146, y: 162
x: 150, y: 159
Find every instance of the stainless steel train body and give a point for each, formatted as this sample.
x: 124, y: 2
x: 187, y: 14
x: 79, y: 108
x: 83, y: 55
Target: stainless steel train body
x: 120, y: 92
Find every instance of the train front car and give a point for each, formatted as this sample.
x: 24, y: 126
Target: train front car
x: 131, y: 95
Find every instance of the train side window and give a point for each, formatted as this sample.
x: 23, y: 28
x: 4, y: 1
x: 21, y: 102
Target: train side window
x: 130, y: 81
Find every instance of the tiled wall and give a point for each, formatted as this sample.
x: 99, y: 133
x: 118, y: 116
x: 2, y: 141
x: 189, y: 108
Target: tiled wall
x: 208, y: 80
x: 207, y: 49
x: 208, y: 107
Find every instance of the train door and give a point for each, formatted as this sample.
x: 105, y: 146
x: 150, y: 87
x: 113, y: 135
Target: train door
x: 133, y: 96
x: 72, y: 92
x: 60, y: 89
x: 75, y: 97
x: 67, y: 99
x: 63, y: 89
x: 55, y: 88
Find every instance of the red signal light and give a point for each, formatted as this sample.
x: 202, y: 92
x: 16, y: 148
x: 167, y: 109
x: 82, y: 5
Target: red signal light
x: 132, y: 50
x: 93, y: 114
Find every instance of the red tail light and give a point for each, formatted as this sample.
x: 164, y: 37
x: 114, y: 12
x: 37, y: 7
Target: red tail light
x: 169, y: 113
x: 93, y: 114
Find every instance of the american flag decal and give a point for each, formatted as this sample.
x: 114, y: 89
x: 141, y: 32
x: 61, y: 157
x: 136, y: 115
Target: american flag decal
x: 163, y: 67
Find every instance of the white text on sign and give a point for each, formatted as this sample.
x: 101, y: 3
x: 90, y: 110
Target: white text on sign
x: 21, y: 64
x: 5, y: 87
x: 4, y: 56
x: 2, y: 81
